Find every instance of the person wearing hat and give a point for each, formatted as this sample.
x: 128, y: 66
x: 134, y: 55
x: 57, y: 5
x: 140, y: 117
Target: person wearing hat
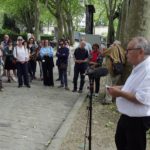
x: 22, y: 56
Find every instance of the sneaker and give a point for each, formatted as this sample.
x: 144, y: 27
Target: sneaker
x: 19, y: 86
x: 14, y: 78
x: 28, y: 86
x: 1, y: 89
x: 66, y: 88
x: 9, y: 81
x: 96, y: 94
x: 74, y: 90
x: 58, y: 79
x: 80, y: 91
x: 104, y: 102
x: 60, y: 86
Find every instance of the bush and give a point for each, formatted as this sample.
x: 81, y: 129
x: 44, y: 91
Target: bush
x: 13, y: 36
x: 47, y: 37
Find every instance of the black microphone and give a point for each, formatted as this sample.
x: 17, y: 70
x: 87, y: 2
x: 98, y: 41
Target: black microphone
x: 97, y: 72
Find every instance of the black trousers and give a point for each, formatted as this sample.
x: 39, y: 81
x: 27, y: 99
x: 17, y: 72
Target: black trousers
x: 47, y: 73
x: 96, y: 81
x: 131, y: 133
x: 22, y: 73
x: 79, y: 70
x: 32, y: 68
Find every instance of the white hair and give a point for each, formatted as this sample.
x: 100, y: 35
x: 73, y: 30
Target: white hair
x: 143, y: 43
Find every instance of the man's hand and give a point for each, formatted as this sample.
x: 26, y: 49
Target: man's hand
x: 114, y: 91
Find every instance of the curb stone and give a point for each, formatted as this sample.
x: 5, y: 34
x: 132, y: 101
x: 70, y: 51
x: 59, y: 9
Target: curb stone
x: 56, y: 142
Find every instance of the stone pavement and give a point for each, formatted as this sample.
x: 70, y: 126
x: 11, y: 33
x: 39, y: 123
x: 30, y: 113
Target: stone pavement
x: 30, y: 118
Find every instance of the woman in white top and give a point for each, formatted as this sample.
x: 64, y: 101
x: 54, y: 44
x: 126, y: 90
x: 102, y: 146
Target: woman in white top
x: 22, y: 56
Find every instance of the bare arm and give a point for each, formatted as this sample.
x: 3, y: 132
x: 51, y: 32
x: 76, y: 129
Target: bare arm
x: 116, y: 92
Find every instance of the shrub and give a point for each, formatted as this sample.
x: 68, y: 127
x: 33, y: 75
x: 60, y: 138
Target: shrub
x: 47, y: 37
x: 13, y: 36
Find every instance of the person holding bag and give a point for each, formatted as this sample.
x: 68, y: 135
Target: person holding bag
x: 62, y: 54
x: 10, y: 61
x: 115, y: 54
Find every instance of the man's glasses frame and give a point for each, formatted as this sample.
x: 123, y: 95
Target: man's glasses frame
x: 131, y: 49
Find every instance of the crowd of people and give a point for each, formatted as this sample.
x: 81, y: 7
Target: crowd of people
x: 20, y: 59
x: 133, y: 99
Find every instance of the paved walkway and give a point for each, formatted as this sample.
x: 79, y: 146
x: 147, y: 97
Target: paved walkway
x: 30, y: 118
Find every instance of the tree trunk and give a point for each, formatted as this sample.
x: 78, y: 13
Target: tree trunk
x: 137, y: 19
x: 60, y: 26
x: 70, y: 29
x: 111, y: 31
x: 37, y: 20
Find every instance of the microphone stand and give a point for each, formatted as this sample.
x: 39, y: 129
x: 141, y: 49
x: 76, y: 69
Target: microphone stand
x: 90, y: 108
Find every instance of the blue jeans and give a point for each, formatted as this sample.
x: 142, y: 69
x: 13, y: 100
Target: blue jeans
x: 63, y: 77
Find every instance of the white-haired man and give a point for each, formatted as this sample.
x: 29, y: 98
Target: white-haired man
x: 133, y: 99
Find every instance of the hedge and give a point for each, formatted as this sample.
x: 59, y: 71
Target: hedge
x: 47, y: 37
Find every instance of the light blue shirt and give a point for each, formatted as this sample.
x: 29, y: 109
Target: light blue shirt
x: 46, y: 51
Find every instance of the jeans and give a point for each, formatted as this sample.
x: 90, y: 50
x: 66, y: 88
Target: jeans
x: 63, y: 77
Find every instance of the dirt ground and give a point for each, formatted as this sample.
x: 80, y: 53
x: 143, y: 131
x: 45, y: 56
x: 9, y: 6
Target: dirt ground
x: 104, y: 125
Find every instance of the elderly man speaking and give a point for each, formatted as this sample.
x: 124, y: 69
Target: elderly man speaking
x: 133, y: 99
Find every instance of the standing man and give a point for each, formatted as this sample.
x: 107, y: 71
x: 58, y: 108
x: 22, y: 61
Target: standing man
x: 80, y: 58
x: 22, y: 56
x: 133, y: 99
x: 62, y: 54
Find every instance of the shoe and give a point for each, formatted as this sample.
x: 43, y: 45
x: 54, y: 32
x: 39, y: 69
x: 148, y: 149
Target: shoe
x: 19, y: 86
x: 1, y: 89
x: 14, y: 78
x: 28, y: 86
x: 66, y: 88
x: 96, y: 94
x: 9, y: 81
x: 58, y: 79
x: 74, y: 90
x: 104, y: 102
x: 60, y: 86
x: 80, y: 91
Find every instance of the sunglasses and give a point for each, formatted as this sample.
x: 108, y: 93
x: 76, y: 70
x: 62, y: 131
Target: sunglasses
x: 19, y: 40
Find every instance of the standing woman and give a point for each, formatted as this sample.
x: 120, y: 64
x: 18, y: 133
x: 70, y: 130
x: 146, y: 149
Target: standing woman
x: 32, y: 59
x: 22, y: 56
x: 96, y: 60
x: 46, y: 54
x: 10, y: 63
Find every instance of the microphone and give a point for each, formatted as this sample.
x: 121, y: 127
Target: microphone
x: 97, y: 72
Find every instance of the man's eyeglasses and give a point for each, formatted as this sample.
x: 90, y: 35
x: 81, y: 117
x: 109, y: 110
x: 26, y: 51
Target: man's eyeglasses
x: 19, y: 40
x: 132, y: 49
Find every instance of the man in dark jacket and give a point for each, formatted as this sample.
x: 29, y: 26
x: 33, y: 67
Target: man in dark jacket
x: 62, y: 62
x: 80, y: 58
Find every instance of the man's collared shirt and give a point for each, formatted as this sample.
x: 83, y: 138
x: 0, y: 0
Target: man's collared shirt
x: 46, y: 51
x: 137, y: 83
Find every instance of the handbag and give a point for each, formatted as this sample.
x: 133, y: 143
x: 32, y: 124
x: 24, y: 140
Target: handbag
x: 118, y: 67
x: 63, y: 66
x: 14, y: 61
